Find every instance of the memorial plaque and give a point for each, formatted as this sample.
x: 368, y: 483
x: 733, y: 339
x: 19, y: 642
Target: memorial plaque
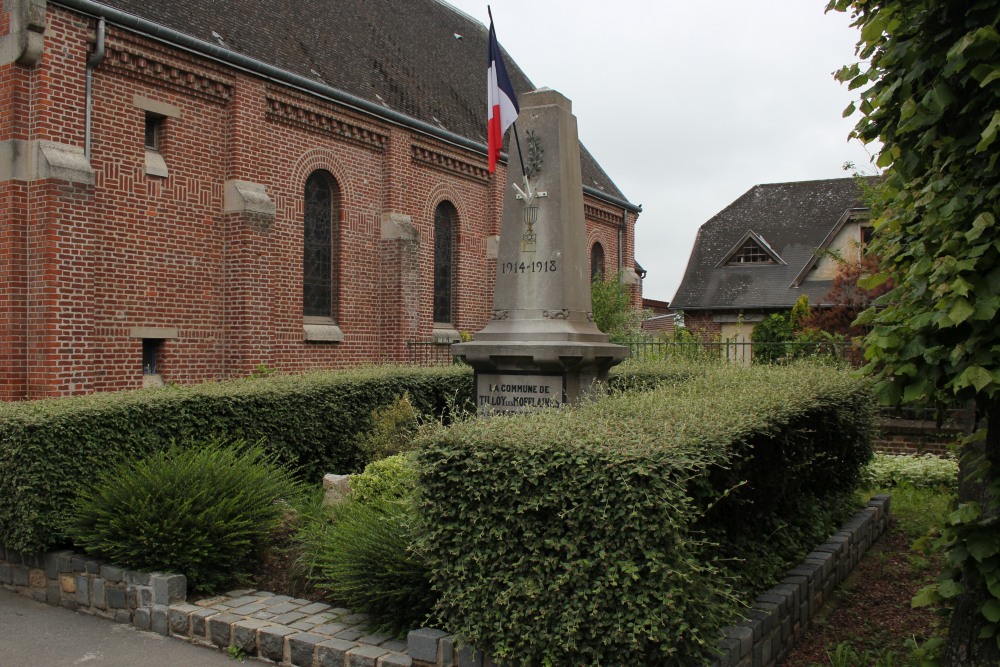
x: 518, y: 392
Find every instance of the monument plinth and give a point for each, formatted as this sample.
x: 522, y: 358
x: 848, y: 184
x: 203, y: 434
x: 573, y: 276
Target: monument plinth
x: 541, y: 346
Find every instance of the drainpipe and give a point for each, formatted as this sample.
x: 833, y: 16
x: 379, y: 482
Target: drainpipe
x: 621, y: 241
x: 92, y: 62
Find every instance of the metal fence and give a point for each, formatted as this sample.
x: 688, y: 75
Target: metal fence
x: 736, y: 350
x: 422, y: 353
x: 742, y: 351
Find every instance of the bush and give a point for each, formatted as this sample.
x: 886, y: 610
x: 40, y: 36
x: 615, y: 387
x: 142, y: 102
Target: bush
x: 577, y: 536
x: 202, y: 512
x: 364, y: 558
x: 392, y: 430
x: 392, y: 478
x: 926, y: 471
x: 308, y: 421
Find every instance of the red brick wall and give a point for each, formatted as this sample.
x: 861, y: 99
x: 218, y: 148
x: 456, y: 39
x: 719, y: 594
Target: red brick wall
x: 81, y: 266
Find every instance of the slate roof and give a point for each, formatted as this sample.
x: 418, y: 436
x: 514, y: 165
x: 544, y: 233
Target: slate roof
x: 793, y: 218
x: 401, y: 54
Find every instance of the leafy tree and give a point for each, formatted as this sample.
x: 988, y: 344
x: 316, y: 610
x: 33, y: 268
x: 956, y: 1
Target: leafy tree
x: 930, y: 93
x: 769, y: 337
x: 611, y: 304
x: 849, y: 298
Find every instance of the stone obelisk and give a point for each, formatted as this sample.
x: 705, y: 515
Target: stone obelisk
x: 541, y: 346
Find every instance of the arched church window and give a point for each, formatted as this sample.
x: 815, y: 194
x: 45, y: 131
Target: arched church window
x: 445, y: 220
x: 596, y: 262
x: 320, y: 247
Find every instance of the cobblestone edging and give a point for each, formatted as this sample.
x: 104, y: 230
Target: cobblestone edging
x: 299, y: 633
x: 775, y: 621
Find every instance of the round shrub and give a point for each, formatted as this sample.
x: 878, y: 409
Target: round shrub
x: 201, y: 511
x: 392, y: 478
x: 393, y: 428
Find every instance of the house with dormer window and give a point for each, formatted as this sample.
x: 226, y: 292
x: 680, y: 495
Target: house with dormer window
x: 769, y: 247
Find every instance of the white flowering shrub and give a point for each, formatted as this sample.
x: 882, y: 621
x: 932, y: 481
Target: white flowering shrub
x: 924, y: 471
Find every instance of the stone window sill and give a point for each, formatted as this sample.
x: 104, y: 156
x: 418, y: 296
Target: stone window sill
x: 155, y: 164
x: 322, y: 333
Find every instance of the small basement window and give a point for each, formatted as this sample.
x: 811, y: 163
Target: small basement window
x: 151, y: 348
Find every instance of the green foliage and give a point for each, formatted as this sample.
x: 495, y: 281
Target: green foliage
x: 391, y: 478
x: 926, y: 471
x: 769, y: 336
x: 309, y: 421
x: 611, y: 304
x: 200, y: 511
x: 800, y: 313
x: 930, y: 93
x: 578, y: 536
x: 364, y: 557
x: 392, y: 430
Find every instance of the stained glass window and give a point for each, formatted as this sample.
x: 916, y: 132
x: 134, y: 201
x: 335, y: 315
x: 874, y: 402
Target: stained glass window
x: 444, y: 228
x: 596, y: 262
x: 319, y: 265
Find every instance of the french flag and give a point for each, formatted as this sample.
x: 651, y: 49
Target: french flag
x: 503, y: 107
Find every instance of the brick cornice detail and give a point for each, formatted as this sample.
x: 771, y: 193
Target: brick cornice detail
x: 429, y: 157
x: 303, y: 115
x: 146, y: 63
x: 601, y: 215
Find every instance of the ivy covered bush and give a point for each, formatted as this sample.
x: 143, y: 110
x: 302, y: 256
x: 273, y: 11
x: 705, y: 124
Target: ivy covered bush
x: 311, y: 421
x: 582, y: 535
x: 203, y: 511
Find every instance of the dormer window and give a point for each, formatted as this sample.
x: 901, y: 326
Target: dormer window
x: 751, y: 249
x: 751, y: 253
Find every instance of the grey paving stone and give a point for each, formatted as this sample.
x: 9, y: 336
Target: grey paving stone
x: 301, y: 602
x: 135, y: 578
x: 365, y: 656
x: 395, y: 660
x: 422, y: 644
x: 93, y: 566
x: 158, y: 620
x: 303, y: 625
x: 332, y: 652
x: 179, y: 619
x: 287, y: 618
x: 271, y: 641
x: 220, y: 629
x: 168, y: 588
x: 245, y: 634
x: 141, y: 618
x: 241, y: 600
x: 330, y: 629
x: 395, y: 645
x: 97, y: 594
x: 6, y: 574
x: 355, y: 619
x: 315, y: 608
x: 282, y: 608
x: 262, y: 615
x: 351, y: 634
x: 240, y: 592
x: 112, y: 574
x: 83, y: 590
x: 115, y: 598
x: 277, y: 599
x: 122, y: 616
x: 20, y: 575
x: 248, y: 609
x: 320, y: 618
x: 375, y: 638
x: 199, y: 622
x: 301, y: 648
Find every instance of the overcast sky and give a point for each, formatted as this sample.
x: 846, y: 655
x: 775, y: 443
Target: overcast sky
x: 687, y: 105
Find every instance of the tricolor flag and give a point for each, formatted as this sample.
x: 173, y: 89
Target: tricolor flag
x: 503, y: 107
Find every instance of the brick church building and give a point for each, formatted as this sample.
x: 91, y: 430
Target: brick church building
x: 190, y: 190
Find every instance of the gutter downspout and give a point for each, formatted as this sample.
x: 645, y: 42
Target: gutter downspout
x: 621, y: 239
x: 92, y: 63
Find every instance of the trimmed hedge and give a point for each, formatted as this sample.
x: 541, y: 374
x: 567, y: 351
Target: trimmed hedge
x: 578, y: 536
x: 49, y: 448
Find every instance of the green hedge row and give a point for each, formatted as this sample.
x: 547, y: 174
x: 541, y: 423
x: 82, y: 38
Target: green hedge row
x: 581, y: 536
x: 49, y: 448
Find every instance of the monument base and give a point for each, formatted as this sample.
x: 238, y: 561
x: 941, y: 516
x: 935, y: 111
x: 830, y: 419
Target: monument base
x: 520, y: 376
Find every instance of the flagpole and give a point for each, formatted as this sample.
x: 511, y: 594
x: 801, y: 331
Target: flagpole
x: 517, y: 139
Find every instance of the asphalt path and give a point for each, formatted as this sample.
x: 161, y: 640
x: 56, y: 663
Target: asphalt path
x: 33, y: 634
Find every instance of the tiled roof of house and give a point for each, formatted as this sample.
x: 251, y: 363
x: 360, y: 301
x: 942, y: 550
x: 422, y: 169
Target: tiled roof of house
x: 792, y: 219
x: 421, y: 58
